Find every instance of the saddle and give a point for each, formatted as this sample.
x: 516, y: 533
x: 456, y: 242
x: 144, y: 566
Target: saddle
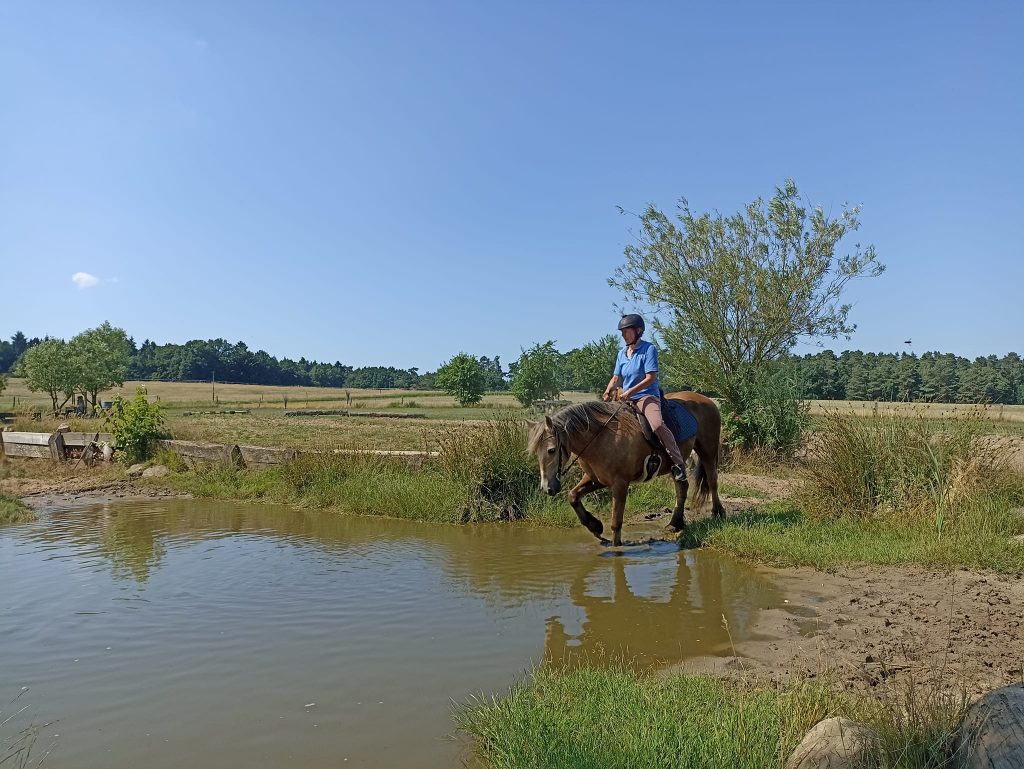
x: 678, y: 419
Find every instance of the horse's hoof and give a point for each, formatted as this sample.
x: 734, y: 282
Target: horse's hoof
x: 604, y: 542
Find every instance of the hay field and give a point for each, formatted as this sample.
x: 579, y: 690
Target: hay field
x: 266, y: 425
x: 190, y: 412
x: 993, y: 412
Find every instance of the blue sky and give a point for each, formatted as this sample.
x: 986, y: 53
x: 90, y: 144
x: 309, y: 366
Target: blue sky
x: 392, y: 183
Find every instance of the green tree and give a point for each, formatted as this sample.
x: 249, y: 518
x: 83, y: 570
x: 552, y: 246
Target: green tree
x: 48, y: 367
x: 463, y: 378
x: 101, y: 356
x: 538, y: 374
x: 739, y: 291
x: 3, y: 383
x: 590, y: 367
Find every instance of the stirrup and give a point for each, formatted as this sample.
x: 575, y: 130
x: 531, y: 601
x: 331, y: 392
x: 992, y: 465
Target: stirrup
x: 652, y: 467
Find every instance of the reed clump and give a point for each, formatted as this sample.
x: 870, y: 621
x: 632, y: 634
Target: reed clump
x: 499, y: 479
x: 902, y: 467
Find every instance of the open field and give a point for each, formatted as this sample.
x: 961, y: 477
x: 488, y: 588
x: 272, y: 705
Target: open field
x: 266, y: 425
x: 996, y: 412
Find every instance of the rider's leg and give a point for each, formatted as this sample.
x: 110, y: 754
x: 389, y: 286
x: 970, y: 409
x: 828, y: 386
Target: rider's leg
x: 651, y: 408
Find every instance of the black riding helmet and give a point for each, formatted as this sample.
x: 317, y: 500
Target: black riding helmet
x: 632, y: 321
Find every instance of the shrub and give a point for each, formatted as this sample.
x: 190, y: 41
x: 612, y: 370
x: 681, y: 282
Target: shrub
x: 766, y: 413
x: 134, y: 425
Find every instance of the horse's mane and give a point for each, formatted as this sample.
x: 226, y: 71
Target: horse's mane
x: 574, y: 419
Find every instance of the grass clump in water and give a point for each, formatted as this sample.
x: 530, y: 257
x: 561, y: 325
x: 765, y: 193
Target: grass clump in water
x: 614, y: 717
x: 13, y: 510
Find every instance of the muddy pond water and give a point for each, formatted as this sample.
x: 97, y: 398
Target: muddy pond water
x: 171, y: 633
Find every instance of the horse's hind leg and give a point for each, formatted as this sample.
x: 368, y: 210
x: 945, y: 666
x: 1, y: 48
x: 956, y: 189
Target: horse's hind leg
x: 576, y: 494
x: 707, y: 475
x: 678, y: 522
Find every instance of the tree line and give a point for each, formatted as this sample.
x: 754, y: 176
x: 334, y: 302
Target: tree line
x: 542, y: 370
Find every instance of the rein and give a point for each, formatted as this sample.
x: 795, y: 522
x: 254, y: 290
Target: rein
x: 558, y: 442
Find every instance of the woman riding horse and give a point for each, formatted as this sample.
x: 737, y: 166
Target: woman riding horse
x: 613, y: 452
x: 636, y: 371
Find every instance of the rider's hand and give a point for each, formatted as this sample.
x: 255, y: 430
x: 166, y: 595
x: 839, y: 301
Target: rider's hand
x: 607, y: 396
x: 622, y: 395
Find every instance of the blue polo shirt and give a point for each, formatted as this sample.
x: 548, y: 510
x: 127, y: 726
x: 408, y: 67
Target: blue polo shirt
x: 632, y: 370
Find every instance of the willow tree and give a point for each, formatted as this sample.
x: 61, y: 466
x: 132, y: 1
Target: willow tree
x: 736, y: 293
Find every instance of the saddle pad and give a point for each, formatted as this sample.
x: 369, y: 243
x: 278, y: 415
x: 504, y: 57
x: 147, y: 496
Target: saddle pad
x: 679, y: 419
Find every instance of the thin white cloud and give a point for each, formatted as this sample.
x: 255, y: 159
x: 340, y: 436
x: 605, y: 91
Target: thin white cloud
x: 84, y: 280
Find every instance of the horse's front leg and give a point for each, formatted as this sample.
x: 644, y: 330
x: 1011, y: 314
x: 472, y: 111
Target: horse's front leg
x: 618, y: 512
x: 576, y: 494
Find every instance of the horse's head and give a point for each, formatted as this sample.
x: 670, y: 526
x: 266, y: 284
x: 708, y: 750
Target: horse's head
x: 549, y: 447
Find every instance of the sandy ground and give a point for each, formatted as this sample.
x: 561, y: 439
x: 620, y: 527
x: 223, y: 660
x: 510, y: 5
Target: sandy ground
x: 882, y: 627
x: 877, y: 628
x: 870, y: 627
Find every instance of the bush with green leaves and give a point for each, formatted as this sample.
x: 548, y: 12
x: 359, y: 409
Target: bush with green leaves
x: 765, y: 413
x: 134, y: 425
x: 538, y: 374
x: 590, y: 367
x: 463, y: 377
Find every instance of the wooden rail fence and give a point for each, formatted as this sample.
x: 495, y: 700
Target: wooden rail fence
x: 62, y: 446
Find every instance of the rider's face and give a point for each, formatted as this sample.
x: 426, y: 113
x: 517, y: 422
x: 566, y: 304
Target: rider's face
x: 629, y: 335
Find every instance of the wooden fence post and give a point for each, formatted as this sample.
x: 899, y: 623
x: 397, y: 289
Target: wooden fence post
x: 58, y: 452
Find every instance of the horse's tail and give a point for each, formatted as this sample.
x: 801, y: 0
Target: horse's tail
x: 702, y: 483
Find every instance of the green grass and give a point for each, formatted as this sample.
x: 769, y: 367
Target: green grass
x: 780, y: 534
x: 14, y: 511
x: 613, y: 717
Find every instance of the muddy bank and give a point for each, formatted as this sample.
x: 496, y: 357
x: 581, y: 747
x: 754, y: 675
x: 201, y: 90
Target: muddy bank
x: 872, y: 627
x: 42, y: 493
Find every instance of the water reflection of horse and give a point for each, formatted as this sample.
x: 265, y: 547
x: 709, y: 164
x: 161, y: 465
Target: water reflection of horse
x: 612, y: 452
x: 656, y: 608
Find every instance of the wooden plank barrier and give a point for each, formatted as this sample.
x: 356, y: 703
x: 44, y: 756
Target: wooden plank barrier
x: 33, y: 445
x: 263, y: 456
x: 81, y: 440
x: 213, y: 453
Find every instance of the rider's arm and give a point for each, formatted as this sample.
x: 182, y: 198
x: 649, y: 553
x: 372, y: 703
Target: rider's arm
x: 648, y: 379
x: 614, y: 382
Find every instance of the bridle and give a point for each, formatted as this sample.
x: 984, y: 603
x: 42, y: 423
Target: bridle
x: 558, y: 442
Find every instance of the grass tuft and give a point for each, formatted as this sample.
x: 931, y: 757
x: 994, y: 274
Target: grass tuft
x: 613, y: 716
x: 13, y: 510
x: 895, y: 465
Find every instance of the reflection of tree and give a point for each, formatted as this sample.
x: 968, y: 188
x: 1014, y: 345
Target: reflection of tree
x: 682, y: 617
x: 131, y: 544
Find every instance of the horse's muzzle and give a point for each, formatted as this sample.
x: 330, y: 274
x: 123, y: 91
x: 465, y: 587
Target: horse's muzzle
x: 553, y: 487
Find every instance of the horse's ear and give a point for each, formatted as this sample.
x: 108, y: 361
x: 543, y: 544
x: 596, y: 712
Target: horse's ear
x: 548, y: 423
